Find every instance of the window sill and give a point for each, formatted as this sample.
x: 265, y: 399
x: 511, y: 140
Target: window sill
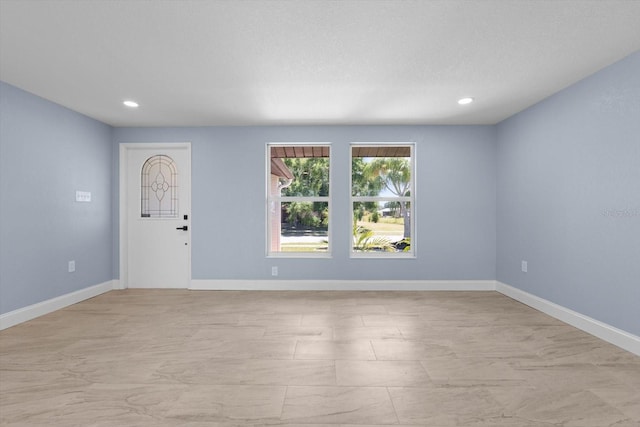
x: 300, y: 255
x: 382, y: 255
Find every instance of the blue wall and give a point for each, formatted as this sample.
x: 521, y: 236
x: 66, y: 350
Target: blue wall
x: 47, y: 152
x: 569, y: 197
x: 455, y: 208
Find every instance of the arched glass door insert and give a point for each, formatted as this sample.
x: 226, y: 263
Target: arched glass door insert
x: 159, y: 188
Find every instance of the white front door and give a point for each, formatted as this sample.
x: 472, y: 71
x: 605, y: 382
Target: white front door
x: 157, y: 182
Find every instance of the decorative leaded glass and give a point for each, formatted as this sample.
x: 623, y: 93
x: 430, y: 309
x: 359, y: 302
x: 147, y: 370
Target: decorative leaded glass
x: 159, y: 186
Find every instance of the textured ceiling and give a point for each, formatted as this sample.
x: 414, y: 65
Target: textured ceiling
x: 308, y: 62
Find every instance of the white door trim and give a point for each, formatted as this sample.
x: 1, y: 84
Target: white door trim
x: 123, y: 234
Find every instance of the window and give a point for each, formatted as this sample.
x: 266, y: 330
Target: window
x: 159, y: 188
x: 298, y: 201
x: 382, y: 200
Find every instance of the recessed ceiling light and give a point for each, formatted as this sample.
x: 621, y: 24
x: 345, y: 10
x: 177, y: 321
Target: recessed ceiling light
x: 465, y: 101
x: 131, y: 104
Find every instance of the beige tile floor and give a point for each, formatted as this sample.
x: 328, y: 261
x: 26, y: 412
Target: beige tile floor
x: 198, y: 358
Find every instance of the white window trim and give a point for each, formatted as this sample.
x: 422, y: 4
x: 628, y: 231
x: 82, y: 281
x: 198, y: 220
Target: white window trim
x: 269, y: 199
x: 385, y: 255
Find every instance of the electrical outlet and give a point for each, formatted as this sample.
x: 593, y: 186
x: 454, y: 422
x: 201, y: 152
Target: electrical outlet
x: 274, y: 271
x: 524, y: 266
x: 72, y: 266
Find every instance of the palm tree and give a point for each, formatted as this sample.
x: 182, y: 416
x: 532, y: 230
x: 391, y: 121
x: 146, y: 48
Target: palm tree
x: 395, y: 175
x: 364, y: 240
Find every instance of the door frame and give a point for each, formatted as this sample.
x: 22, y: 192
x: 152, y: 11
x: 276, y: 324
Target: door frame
x: 124, y: 148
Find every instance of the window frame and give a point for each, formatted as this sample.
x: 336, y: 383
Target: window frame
x: 269, y: 198
x: 411, y: 253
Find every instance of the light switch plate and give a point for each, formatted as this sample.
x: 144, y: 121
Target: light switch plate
x: 83, y: 196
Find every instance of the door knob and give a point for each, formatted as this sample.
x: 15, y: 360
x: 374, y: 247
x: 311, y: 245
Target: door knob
x: 184, y: 228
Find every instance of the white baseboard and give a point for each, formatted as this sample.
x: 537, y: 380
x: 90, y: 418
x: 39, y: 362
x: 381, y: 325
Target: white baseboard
x: 24, y: 314
x: 592, y: 326
x: 343, y: 285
